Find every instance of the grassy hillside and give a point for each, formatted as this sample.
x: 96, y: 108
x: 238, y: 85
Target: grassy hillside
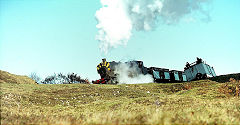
x: 6, y: 77
x: 198, y: 102
x: 225, y: 78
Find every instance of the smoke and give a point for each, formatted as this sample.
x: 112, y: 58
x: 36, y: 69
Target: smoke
x: 118, y: 18
x: 131, y: 74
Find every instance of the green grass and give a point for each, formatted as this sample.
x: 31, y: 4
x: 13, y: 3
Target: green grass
x: 199, y: 102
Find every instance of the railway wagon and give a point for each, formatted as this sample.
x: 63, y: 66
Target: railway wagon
x: 162, y: 75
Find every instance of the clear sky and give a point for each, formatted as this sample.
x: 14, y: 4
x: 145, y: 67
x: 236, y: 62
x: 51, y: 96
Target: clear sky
x: 47, y: 36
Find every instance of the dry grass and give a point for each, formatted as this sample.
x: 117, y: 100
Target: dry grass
x: 199, y: 102
x: 6, y: 77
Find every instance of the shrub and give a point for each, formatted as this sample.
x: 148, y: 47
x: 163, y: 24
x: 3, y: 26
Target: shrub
x: 232, y: 88
x: 64, y: 79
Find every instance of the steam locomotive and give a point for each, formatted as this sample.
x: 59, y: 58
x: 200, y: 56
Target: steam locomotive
x: 194, y: 71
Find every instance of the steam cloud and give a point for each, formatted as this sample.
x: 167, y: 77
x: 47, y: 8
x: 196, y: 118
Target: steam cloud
x: 117, y: 18
x: 131, y: 75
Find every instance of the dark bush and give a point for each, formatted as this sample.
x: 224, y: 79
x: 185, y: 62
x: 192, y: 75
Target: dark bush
x: 63, y: 79
x: 225, y: 78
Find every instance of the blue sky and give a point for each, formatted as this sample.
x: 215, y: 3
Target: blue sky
x: 50, y: 36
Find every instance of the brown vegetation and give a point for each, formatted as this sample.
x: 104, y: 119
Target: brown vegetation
x: 231, y: 88
x: 6, y: 77
x: 198, y: 102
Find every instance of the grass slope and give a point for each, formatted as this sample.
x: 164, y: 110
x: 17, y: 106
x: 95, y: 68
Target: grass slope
x: 6, y: 77
x: 198, y: 102
x: 225, y: 78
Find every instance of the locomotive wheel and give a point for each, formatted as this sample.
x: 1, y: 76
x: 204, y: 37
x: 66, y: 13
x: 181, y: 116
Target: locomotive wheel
x: 204, y: 76
x: 199, y: 76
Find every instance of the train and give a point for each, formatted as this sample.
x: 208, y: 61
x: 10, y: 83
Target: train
x: 192, y: 71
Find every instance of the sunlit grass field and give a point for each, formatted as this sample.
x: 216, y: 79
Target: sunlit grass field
x: 198, y: 102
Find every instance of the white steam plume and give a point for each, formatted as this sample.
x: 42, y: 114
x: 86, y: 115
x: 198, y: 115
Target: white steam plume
x: 117, y: 18
x: 131, y: 74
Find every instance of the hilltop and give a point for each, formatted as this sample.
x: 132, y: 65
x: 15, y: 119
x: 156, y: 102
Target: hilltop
x: 225, y: 78
x: 6, y: 77
x: 198, y: 102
